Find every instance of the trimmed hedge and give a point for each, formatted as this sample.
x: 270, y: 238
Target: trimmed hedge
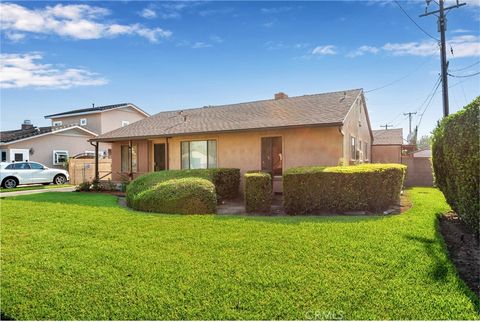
x: 226, y: 181
x: 367, y: 187
x: 178, y: 196
x: 456, y: 162
x: 258, y: 192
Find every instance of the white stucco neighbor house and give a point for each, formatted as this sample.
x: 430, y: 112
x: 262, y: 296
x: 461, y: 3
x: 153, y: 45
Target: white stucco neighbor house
x: 68, y: 134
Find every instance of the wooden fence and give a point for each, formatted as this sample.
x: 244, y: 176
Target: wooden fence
x: 82, y: 170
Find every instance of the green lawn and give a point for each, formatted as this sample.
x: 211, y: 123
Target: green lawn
x: 36, y: 187
x: 79, y: 256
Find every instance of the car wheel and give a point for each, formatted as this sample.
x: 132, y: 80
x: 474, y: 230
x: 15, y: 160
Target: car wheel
x: 9, y: 183
x: 59, y: 179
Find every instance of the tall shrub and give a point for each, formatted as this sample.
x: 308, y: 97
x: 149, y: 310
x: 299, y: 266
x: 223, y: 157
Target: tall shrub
x: 258, y: 192
x: 456, y: 162
x: 307, y: 190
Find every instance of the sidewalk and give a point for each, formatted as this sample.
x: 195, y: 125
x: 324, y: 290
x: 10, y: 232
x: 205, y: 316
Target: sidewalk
x: 29, y: 192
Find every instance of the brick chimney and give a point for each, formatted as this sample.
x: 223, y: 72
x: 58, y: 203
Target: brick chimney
x: 27, y: 125
x: 280, y: 95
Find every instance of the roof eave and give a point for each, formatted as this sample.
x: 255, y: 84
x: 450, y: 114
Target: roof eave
x: 146, y: 137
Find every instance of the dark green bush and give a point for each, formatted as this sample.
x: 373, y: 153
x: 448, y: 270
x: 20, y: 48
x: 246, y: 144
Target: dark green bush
x: 258, y: 192
x: 371, y: 187
x: 178, y: 196
x: 456, y: 162
x: 226, y: 181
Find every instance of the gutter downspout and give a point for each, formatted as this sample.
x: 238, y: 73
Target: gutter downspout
x: 97, y: 173
x: 167, y: 154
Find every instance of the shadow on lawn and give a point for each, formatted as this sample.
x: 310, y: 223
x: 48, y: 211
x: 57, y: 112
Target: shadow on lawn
x: 441, y: 265
x: 4, y: 317
x: 296, y: 220
x: 71, y: 198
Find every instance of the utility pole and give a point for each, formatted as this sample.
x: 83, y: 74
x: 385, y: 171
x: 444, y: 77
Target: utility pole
x: 410, y: 121
x: 442, y: 26
x: 386, y: 126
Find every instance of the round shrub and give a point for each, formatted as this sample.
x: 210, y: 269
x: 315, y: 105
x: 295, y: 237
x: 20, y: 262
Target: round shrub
x: 226, y: 181
x: 177, y: 196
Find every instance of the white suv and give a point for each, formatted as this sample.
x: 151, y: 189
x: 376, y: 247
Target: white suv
x: 15, y: 173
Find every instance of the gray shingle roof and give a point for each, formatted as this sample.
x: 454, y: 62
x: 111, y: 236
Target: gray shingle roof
x: 388, y: 137
x: 14, y: 135
x: 319, y: 109
x: 9, y: 136
x: 93, y: 109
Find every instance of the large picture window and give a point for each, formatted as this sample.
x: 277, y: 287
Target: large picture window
x: 126, y: 161
x: 199, y: 154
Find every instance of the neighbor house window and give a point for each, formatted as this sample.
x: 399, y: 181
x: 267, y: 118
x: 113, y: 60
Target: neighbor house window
x: 360, y: 151
x: 125, y: 123
x: 199, y: 154
x: 57, y: 123
x: 18, y: 157
x: 60, y: 157
x: 128, y: 164
x: 353, y: 148
x: 4, y: 156
x: 83, y: 121
x: 365, y: 151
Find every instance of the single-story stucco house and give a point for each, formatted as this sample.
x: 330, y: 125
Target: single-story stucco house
x: 272, y: 135
x: 387, y: 146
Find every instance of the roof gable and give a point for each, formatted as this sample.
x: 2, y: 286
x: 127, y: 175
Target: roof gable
x: 388, y: 137
x: 10, y: 137
x: 97, y: 109
x: 308, y: 110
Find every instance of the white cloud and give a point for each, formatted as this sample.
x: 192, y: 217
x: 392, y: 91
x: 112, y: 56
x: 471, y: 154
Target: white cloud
x: 362, y: 50
x: 72, y: 21
x: 201, y: 44
x: 463, y: 46
x: 460, y: 31
x: 268, y: 24
x: 25, y: 70
x: 14, y: 36
x: 148, y: 13
x: 275, y: 10
x: 324, y: 50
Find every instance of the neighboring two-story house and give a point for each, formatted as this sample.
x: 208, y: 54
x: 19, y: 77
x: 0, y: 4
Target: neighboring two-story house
x: 67, y: 136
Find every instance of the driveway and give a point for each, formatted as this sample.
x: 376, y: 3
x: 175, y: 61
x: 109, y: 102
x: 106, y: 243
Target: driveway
x: 30, y: 192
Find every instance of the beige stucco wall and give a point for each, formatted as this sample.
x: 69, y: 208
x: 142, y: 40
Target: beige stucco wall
x: 73, y: 141
x: 356, y: 125
x: 112, y: 120
x: 301, y: 147
x: 387, y: 154
x: 105, y: 121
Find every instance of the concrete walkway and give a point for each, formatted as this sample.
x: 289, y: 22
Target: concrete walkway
x: 30, y: 192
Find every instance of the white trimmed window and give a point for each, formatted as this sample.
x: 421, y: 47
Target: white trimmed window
x: 57, y: 123
x: 60, y: 157
x: 125, y: 123
x: 83, y: 121
x: 199, y: 154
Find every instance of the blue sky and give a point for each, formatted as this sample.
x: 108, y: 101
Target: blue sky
x: 169, y: 55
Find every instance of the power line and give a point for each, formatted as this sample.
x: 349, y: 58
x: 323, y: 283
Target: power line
x: 399, y: 79
x: 442, y: 26
x: 466, y: 67
x: 416, y: 24
x: 463, y: 76
x: 428, y: 104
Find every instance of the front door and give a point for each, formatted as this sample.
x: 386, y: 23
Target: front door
x: 159, y: 163
x: 272, y: 158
